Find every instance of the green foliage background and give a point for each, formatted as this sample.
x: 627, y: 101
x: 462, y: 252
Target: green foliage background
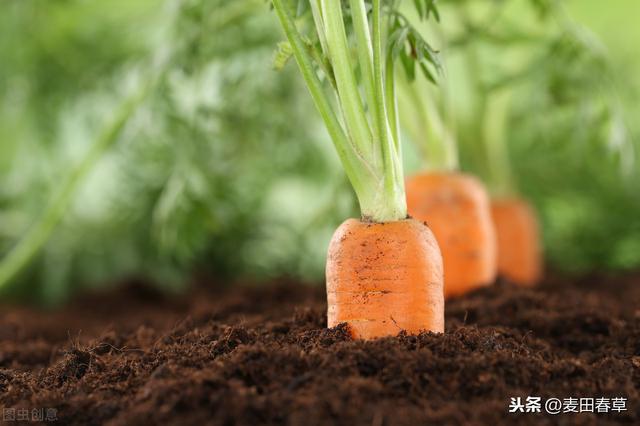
x: 225, y: 167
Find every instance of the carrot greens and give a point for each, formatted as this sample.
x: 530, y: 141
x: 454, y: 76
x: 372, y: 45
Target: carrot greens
x: 512, y: 64
x: 354, y: 46
x: 427, y: 120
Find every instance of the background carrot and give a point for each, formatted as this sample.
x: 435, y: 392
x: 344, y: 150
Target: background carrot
x: 517, y: 102
x: 456, y: 207
x: 519, y: 249
x: 385, y: 277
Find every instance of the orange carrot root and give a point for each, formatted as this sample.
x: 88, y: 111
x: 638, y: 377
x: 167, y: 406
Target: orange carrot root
x: 383, y: 278
x: 519, y: 248
x: 456, y: 208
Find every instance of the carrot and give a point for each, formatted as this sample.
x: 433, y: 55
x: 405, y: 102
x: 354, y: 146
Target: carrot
x: 456, y: 207
x: 518, y: 237
x: 384, y: 273
x: 383, y: 278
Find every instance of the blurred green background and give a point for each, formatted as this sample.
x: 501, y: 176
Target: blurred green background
x: 222, y: 167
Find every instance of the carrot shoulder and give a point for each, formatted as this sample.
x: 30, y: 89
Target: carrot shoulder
x: 383, y: 278
x: 456, y: 207
x: 518, y: 236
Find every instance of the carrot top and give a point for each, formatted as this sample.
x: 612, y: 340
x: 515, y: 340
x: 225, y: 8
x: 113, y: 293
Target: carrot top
x: 533, y: 71
x: 428, y: 121
x: 349, y: 49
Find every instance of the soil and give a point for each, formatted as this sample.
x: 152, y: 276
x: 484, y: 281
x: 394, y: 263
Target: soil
x: 261, y: 355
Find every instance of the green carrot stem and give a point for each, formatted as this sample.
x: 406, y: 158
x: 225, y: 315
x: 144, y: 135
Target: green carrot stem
x: 429, y: 131
x: 365, y: 55
x: 360, y: 128
x: 343, y: 69
x: 501, y: 178
x: 393, y: 174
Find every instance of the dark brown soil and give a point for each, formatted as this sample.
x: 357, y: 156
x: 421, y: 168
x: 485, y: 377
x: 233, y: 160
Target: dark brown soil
x: 254, y: 356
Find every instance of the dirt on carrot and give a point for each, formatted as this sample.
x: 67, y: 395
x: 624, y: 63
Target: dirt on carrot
x: 252, y: 356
